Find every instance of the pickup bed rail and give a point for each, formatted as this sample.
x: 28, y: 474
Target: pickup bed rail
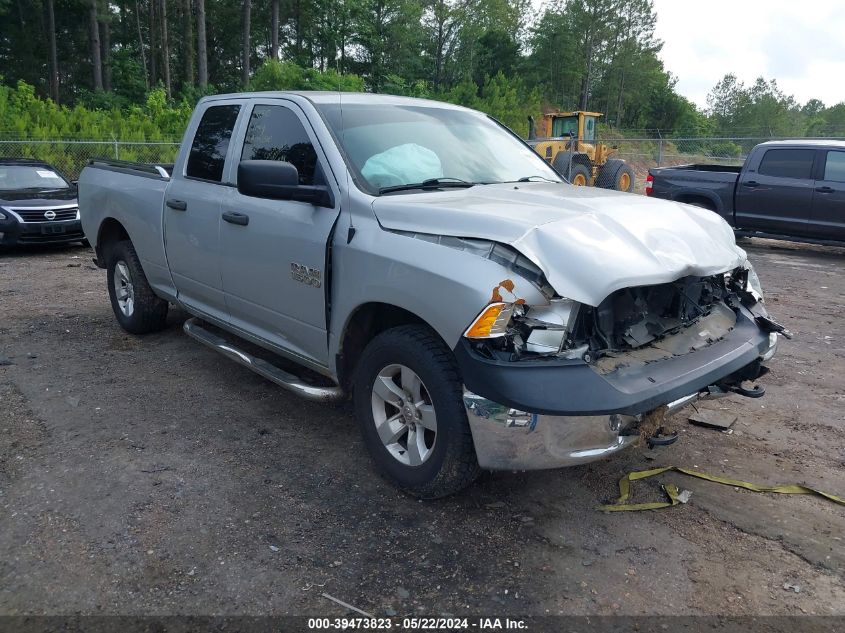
x: 162, y: 171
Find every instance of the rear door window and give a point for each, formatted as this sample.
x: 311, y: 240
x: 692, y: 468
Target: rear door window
x: 788, y: 163
x: 276, y: 133
x: 834, y: 167
x: 211, y: 142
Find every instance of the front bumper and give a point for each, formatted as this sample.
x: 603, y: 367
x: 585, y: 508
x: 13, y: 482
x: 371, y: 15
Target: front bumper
x: 574, y: 388
x: 508, y: 439
x: 14, y: 233
x: 549, y: 415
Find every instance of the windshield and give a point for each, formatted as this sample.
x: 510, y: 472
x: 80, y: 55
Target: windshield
x: 13, y: 177
x: 387, y: 146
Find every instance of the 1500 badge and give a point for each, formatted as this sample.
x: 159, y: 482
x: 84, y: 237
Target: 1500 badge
x: 305, y: 275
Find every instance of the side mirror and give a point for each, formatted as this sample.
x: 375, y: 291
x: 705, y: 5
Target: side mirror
x: 278, y: 180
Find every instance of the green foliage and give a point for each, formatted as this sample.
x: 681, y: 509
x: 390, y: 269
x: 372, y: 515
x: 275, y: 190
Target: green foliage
x: 276, y: 75
x: 724, y: 149
x: 493, y: 55
x: 24, y: 115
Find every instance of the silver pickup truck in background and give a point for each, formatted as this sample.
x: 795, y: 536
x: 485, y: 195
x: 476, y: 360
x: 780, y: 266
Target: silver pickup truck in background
x: 418, y: 256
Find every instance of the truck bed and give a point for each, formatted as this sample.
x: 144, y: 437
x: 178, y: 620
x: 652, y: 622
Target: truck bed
x: 132, y: 194
x: 706, y: 185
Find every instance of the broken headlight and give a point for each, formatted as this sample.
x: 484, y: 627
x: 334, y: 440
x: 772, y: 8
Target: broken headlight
x: 753, y: 282
x: 518, y: 329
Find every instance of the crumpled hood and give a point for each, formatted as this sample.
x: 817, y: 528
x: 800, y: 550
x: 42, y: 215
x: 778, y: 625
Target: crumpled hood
x: 589, y: 242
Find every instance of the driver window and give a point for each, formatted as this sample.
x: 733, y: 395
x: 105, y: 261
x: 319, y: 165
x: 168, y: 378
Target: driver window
x: 276, y: 133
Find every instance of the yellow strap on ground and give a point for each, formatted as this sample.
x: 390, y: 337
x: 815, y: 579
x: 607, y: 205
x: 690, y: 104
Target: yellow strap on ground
x: 621, y: 505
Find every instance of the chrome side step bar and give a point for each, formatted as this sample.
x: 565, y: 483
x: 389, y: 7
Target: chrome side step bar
x: 194, y: 329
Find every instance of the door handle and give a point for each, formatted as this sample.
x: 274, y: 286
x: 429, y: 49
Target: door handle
x: 233, y: 217
x: 750, y: 183
x: 177, y: 205
x: 825, y: 189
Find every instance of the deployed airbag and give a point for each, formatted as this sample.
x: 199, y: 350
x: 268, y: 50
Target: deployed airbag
x: 402, y: 164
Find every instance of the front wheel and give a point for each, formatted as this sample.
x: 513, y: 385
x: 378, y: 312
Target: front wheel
x: 136, y: 306
x: 409, y: 404
x: 580, y: 176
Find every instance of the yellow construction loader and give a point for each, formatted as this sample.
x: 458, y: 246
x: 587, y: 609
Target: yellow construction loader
x: 567, y: 140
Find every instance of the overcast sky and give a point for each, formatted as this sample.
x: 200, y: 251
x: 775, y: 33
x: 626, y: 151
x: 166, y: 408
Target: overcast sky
x: 800, y: 44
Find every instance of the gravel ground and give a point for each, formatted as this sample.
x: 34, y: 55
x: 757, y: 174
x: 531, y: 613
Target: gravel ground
x: 148, y: 475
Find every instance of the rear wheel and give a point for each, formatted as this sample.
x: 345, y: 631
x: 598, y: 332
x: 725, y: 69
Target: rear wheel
x: 616, y: 174
x: 409, y: 405
x: 624, y: 180
x: 136, y: 306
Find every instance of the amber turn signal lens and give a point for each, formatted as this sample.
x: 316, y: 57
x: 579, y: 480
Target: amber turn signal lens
x: 491, y: 322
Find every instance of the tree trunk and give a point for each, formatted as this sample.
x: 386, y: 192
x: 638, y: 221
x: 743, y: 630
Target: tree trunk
x: 54, y: 59
x: 106, y: 36
x: 188, y: 44
x: 585, y: 80
x: 621, y: 100
x: 141, y: 43
x: 274, y: 30
x: 202, y: 46
x: 297, y: 12
x: 165, y: 49
x: 153, y: 43
x: 247, y: 20
x: 96, y: 60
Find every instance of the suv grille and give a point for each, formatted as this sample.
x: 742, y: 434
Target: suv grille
x: 38, y: 215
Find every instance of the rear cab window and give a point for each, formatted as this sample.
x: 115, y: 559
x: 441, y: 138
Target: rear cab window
x: 788, y: 163
x: 834, y: 166
x: 211, y: 142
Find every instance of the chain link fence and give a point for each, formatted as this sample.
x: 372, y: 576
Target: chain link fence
x: 639, y: 154
x: 70, y: 157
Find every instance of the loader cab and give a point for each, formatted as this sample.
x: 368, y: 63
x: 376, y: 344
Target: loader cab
x: 565, y: 126
x: 581, y: 125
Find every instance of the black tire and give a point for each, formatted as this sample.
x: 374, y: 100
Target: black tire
x: 561, y: 163
x: 616, y: 174
x: 579, y: 175
x: 147, y: 313
x: 452, y: 464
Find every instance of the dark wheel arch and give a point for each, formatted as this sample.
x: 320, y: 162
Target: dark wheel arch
x: 698, y: 201
x: 111, y: 232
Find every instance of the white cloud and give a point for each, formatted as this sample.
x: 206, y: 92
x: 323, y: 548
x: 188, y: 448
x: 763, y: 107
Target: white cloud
x: 799, y: 45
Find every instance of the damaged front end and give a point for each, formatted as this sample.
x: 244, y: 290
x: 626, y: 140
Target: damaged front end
x: 632, y: 325
x: 564, y: 383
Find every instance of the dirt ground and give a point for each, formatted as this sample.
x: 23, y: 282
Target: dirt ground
x: 148, y: 475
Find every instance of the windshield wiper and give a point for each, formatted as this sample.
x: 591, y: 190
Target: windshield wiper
x: 529, y: 179
x: 431, y: 183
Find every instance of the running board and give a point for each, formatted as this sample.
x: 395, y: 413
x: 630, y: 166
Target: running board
x: 194, y: 329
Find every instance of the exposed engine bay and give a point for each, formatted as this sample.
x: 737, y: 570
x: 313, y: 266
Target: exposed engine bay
x: 632, y: 325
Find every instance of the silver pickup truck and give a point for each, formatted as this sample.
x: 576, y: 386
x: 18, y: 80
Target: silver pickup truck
x: 420, y: 257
